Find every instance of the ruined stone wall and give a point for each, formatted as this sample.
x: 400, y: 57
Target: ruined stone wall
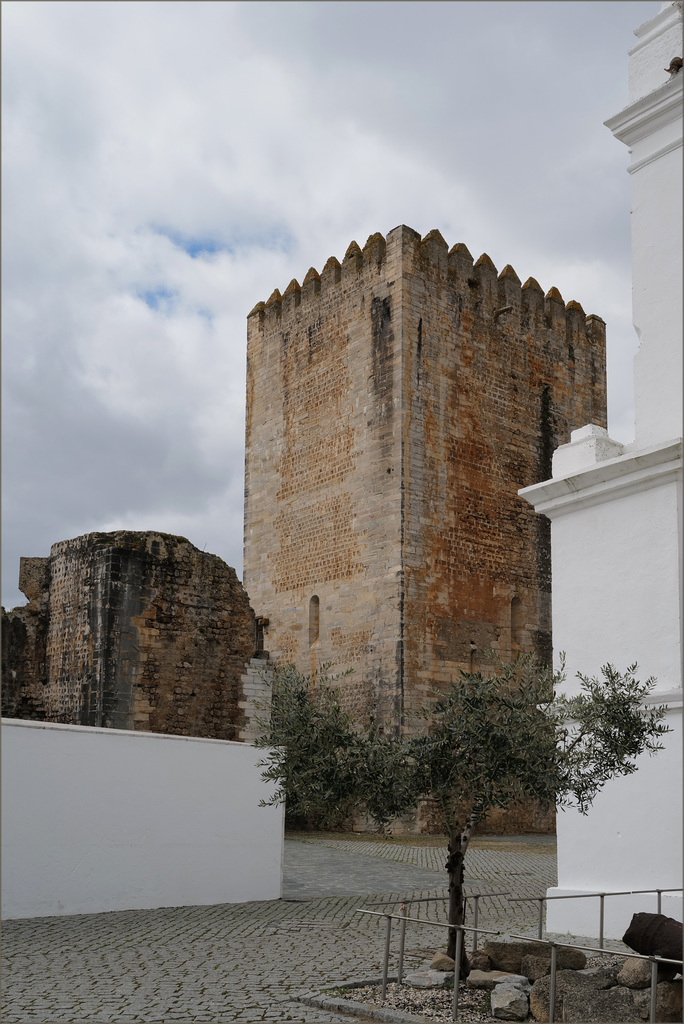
x: 395, y: 405
x: 24, y: 642
x: 138, y: 631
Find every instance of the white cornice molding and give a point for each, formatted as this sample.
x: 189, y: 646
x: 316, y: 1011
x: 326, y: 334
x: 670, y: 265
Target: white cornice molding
x: 656, y: 26
x: 655, y: 155
x: 604, y: 481
x: 661, y: 107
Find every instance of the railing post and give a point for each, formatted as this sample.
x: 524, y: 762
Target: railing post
x: 457, y: 969
x: 654, y: 989
x: 659, y: 891
x: 602, y: 898
x: 552, y: 984
x: 402, y: 936
x: 475, y: 917
x: 385, y: 965
x: 540, y: 926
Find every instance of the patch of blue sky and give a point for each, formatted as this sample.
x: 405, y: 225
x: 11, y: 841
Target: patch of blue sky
x: 158, y: 299
x: 274, y: 237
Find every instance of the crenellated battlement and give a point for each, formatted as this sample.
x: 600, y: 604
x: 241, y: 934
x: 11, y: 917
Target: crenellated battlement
x: 482, y: 289
x: 312, y: 281
x: 374, y: 250
x: 332, y: 272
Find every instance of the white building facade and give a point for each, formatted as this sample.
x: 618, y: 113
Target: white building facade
x: 616, y: 527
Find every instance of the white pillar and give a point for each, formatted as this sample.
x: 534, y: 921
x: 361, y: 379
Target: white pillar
x: 652, y: 128
x: 616, y: 521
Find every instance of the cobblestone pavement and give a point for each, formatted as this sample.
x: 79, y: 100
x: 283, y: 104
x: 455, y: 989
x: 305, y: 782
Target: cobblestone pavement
x: 247, y: 962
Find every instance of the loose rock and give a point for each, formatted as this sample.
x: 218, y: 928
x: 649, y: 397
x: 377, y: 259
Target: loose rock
x: 427, y: 979
x: 507, y: 954
x: 583, y: 996
x: 509, y: 1002
x: 489, y: 979
x: 534, y: 967
x: 651, y: 934
x: 635, y: 974
x: 601, y: 977
x: 611, y: 1004
x: 442, y: 962
x: 668, y: 1001
x: 479, y: 961
x: 539, y: 964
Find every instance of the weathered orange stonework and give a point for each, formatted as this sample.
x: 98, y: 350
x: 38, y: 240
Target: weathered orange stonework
x: 395, y: 404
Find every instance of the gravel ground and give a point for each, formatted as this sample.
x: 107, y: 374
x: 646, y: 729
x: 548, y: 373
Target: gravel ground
x: 433, y: 1003
x: 437, y: 1004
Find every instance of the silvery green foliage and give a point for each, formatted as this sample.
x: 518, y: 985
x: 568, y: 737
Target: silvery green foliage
x: 487, y: 742
x: 601, y: 732
x: 313, y: 751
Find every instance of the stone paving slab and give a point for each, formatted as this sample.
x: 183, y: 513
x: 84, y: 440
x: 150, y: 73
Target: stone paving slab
x: 249, y: 961
x: 318, y: 870
x: 351, y: 1007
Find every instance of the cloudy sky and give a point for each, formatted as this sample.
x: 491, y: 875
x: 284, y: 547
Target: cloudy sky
x: 167, y: 165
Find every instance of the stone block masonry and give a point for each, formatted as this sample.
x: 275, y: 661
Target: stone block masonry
x: 131, y: 630
x: 396, y: 403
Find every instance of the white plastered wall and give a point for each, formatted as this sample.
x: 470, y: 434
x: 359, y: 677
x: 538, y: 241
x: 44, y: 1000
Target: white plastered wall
x: 104, y: 819
x: 630, y: 840
x: 616, y: 556
x: 616, y: 525
x: 615, y: 583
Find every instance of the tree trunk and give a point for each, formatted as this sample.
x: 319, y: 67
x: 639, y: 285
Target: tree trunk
x: 454, y: 866
x: 458, y: 844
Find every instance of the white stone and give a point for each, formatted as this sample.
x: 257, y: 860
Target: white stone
x: 509, y: 1002
x: 427, y: 979
x: 516, y: 980
x: 588, y: 445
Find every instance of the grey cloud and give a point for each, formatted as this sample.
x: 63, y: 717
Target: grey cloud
x: 166, y: 165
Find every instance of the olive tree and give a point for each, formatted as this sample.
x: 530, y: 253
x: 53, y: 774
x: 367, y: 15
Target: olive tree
x: 487, y: 742
x: 324, y: 768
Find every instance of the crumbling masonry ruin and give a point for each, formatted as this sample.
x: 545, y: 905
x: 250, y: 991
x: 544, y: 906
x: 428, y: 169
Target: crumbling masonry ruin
x: 395, y: 404
x: 132, y: 630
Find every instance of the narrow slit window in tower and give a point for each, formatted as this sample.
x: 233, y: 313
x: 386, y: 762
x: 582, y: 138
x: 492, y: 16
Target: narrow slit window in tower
x: 314, y: 616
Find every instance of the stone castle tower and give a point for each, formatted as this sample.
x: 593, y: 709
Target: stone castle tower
x: 395, y: 405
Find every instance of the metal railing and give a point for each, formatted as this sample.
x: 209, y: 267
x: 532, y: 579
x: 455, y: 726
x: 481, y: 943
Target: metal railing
x: 541, y: 900
x: 654, y: 961
x: 403, y: 918
x: 475, y: 897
